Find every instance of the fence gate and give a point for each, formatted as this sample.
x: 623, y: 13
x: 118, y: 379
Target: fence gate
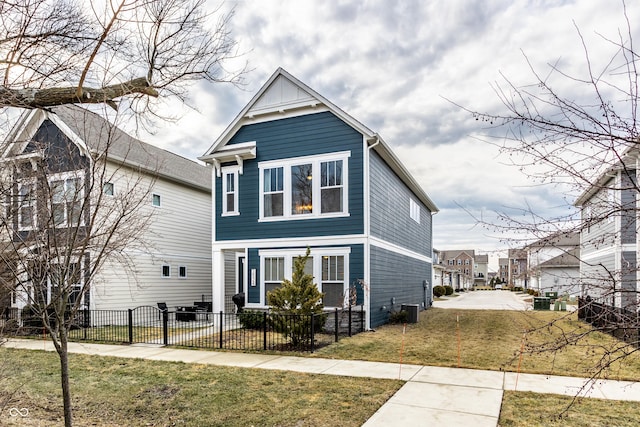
x: 147, y: 325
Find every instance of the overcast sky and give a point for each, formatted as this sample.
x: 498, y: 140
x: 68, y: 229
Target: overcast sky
x: 392, y: 64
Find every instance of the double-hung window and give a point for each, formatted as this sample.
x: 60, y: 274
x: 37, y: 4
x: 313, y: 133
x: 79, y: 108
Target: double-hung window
x: 304, y: 187
x: 273, y: 273
x: 66, y: 201
x: 230, y: 191
x: 333, y: 280
x: 26, y: 205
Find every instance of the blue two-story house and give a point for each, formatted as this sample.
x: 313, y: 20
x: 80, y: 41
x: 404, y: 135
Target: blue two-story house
x: 293, y: 171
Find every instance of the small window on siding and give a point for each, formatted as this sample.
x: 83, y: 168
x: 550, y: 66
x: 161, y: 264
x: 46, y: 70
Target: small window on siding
x: 182, y: 272
x: 107, y: 188
x: 230, y: 192
x: 156, y: 200
x: 414, y: 210
x: 166, y: 271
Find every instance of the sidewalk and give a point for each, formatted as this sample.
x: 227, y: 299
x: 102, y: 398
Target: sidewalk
x: 432, y: 396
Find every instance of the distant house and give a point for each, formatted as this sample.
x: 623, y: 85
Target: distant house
x: 554, y: 264
x: 295, y: 171
x: 609, y: 235
x: 464, y: 268
x: 84, y: 154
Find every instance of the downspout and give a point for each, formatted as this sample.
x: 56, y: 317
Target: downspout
x: 373, y: 140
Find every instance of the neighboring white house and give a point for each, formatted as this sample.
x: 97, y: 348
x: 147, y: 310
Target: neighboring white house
x: 171, y: 265
x: 554, y: 264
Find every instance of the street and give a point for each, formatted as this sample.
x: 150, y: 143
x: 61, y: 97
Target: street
x: 487, y: 300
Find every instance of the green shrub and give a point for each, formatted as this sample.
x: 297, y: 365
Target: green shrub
x: 398, y: 317
x: 438, y: 291
x: 294, y: 302
x: 251, y: 319
x: 448, y: 290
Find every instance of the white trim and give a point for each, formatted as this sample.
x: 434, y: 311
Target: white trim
x: 78, y: 197
x: 316, y: 162
x: 399, y: 250
x: 180, y: 276
x: 153, y: 197
x: 351, y: 239
x: 585, y: 256
x: 33, y: 203
x: 162, y: 276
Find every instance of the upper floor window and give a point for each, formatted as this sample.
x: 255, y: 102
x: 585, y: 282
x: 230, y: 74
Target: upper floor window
x: 107, y: 189
x: 414, y: 210
x: 66, y: 201
x: 156, y: 200
x: 307, y: 187
x: 230, y: 191
x: 26, y: 205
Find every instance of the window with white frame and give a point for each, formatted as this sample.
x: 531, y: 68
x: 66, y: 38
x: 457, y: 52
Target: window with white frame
x: 333, y: 280
x: 328, y: 266
x: 166, y: 271
x: 414, y: 210
x: 66, y: 200
x: 182, y: 271
x: 289, y: 190
x: 273, y: 273
x: 230, y: 191
x: 156, y: 200
x: 27, y: 212
x: 610, y: 205
x: 272, y: 192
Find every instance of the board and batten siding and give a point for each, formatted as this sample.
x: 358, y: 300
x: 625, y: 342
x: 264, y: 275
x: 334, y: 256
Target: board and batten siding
x: 390, y: 210
x: 306, y: 135
x: 395, y: 276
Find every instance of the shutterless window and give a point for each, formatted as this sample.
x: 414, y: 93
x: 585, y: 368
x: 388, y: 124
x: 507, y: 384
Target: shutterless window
x: 414, y: 210
x: 331, y: 187
x: 333, y: 280
x: 107, y: 188
x: 230, y: 193
x: 27, y: 205
x: 273, y: 273
x: 156, y: 200
x: 66, y: 201
x: 166, y: 271
x: 273, y: 191
x: 182, y: 272
x: 302, y: 189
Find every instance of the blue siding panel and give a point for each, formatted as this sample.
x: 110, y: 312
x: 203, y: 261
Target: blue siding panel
x: 286, y: 138
x: 390, y: 220
x: 395, y: 276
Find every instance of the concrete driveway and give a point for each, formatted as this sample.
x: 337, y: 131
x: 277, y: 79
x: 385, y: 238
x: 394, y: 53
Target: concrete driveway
x: 487, y: 300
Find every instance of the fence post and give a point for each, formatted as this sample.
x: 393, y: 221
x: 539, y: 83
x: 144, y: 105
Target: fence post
x: 130, y: 326
x: 221, y: 330
x: 362, y: 318
x: 349, y: 319
x: 336, y: 323
x: 313, y: 329
x: 85, y: 323
x: 165, y: 326
x: 264, y: 330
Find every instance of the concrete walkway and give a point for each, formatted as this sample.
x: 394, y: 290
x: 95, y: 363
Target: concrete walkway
x: 432, y: 396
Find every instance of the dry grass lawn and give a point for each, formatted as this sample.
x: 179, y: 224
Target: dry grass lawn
x: 484, y: 339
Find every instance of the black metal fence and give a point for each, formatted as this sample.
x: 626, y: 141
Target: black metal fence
x: 621, y: 323
x: 249, y: 330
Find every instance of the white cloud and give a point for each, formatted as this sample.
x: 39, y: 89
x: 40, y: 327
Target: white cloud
x: 391, y: 64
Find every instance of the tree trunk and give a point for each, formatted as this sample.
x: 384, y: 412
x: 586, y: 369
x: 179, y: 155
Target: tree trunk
x: 64, y: 377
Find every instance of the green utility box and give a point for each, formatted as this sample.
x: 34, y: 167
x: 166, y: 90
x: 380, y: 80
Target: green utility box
x: 541, y: 303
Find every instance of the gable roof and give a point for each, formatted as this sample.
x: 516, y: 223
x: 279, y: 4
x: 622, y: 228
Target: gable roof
x: 91, y: 132
x: 283, y: 95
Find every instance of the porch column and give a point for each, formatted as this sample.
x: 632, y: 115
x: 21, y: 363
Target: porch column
x: 217, y: 282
